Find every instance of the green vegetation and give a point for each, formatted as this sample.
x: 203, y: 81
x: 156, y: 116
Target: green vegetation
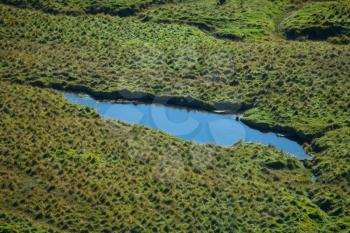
x: 332, y: 168
x: 302, y: 86
x: 235, y: 19
x: 76, y: 7
x: 319, y: 21
x: 16, y: 222
x: 62, y: 168
x: 260, y: 19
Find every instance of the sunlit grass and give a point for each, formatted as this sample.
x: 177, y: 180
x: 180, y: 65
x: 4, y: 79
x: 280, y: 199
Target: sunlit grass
x: 66, y: 168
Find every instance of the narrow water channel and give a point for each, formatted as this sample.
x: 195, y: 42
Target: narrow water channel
x: 197, y: 126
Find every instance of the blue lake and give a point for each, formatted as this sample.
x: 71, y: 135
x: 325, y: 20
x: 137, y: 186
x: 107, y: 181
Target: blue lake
x: 197, y: 126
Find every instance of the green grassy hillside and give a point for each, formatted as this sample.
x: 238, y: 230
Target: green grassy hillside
x: 302, y: 86
x: 319, y: 21
x: 63, y: 169
x: 76, y: 7
x: 234, y: 19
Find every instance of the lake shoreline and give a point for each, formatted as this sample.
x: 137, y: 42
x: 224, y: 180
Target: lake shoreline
x: 190, y: 125
x: 180, y: 102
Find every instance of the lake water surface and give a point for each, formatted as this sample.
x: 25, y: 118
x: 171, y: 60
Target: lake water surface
x: 197, y: 126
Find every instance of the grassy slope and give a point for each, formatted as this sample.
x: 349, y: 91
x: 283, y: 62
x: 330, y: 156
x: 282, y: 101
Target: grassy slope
x: 76, y: 7
x: 64, y: 166
x: 235, y: 19
x: 320, y: 20
x: 303, y: 85
x: 254, y: 19
x: 298, y: 85
x: 260, y: 19
x: 332, y: 167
